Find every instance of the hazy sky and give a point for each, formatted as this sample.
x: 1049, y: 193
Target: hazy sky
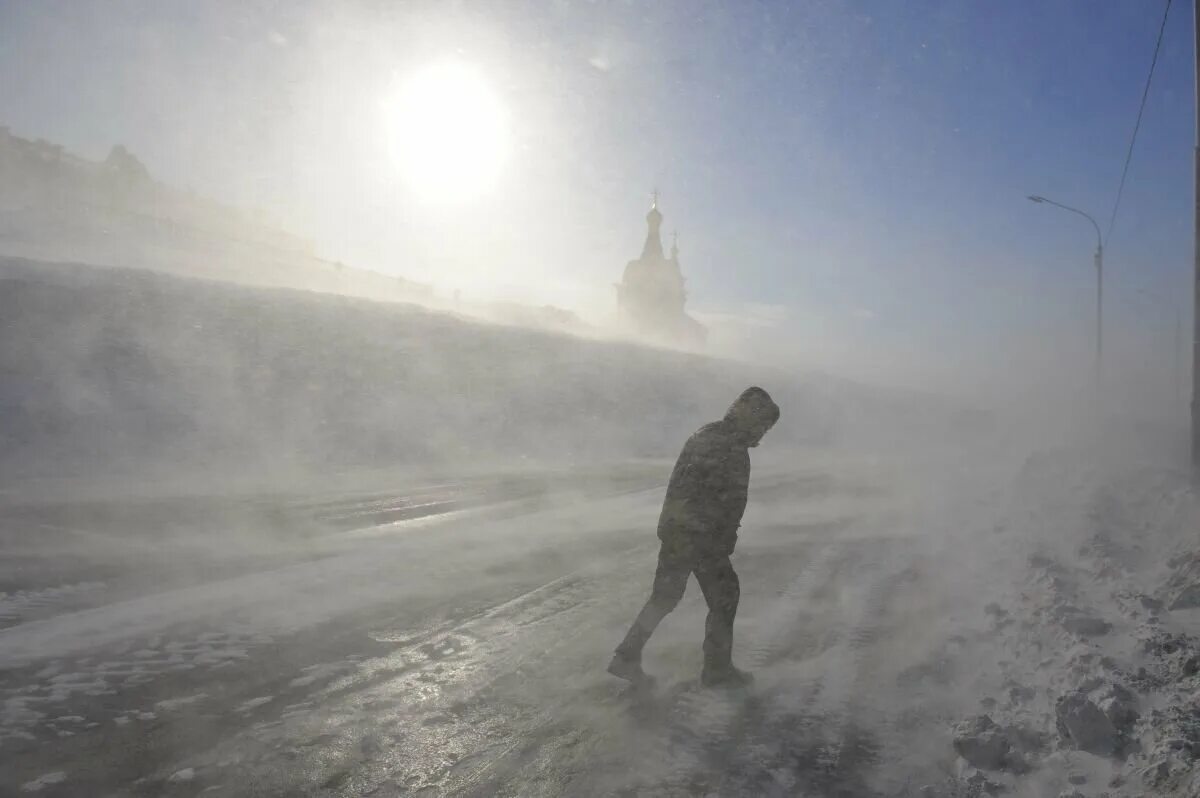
x: 847, y: 178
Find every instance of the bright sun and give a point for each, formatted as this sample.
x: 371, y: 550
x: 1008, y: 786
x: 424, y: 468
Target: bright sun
x: 448, y: 132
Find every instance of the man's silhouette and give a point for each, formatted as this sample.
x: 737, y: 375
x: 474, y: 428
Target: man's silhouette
x: 698, y: 529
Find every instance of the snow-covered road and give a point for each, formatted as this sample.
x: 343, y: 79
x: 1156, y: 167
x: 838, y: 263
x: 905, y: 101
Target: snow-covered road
x: 463, y: 652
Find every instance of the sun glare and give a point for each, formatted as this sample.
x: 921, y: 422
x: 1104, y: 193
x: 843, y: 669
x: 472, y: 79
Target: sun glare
x: 448, y: 132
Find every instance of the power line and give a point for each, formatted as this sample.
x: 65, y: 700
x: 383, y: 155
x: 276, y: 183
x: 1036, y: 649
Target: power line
x: 1132, y: 139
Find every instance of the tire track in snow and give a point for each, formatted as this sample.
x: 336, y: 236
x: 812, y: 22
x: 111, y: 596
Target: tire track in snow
x: 843, y: 759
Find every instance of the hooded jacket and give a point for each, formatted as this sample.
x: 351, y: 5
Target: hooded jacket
x: 707, y: 493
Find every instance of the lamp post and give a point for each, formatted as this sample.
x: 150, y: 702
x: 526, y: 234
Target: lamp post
x: 1196, y: 253
x: 1098, y: 259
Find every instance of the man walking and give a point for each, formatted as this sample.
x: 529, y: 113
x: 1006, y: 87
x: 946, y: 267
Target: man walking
x: 698, y: 529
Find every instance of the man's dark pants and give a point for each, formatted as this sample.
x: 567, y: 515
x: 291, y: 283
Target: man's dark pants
x: 721, y: 589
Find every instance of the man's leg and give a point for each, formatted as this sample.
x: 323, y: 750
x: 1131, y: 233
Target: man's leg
x: 670, y: 580
x: 721, y: 588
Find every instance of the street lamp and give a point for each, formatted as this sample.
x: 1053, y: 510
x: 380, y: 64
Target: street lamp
x: 1099, y: 261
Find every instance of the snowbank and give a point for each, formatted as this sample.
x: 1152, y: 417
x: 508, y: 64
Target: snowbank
x: 1085, y: 660
x: 109, y: 371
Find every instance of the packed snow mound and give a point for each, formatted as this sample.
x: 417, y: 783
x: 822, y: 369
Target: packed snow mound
x: 1086, y: 662
x: 107, y: 370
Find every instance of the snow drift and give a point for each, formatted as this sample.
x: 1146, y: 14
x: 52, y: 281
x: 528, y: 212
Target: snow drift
x: 123, y: 371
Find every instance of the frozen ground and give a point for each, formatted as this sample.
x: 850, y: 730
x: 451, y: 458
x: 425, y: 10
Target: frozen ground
x: 450, y: 639
x: 462, y: 652
x: 443, y: 630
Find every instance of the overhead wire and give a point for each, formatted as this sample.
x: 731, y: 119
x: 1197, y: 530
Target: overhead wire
x: 1138, y: 124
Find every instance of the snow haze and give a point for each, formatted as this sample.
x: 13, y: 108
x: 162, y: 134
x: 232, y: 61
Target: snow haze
x: 347, y: 351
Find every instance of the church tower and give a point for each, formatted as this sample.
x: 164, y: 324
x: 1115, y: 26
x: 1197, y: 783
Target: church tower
x: 653, y: 247
x: 651, y: 296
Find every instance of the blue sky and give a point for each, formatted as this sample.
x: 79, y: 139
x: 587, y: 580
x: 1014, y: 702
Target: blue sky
x: 847, y: 178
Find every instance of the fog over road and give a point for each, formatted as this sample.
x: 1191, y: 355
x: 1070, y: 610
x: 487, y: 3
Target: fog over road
x: 451, y: 639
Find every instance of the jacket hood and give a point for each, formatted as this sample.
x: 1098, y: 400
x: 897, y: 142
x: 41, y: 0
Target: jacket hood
x: 752, y: 414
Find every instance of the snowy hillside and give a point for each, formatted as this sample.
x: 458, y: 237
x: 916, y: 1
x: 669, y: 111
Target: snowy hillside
x: 111, y: 370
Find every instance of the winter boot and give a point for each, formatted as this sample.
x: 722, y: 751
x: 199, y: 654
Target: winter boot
x: 629, y: 669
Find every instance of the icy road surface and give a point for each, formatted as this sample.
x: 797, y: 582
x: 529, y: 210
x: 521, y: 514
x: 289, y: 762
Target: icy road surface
x: 452, y: 640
